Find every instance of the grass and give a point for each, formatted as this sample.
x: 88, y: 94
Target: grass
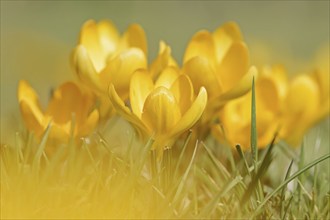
x: 196, y: 179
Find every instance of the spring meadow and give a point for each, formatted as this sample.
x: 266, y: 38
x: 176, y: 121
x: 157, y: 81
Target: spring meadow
x: 165, y: 110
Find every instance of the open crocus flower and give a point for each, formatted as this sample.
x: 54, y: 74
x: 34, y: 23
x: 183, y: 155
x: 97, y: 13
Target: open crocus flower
x: 235, y: 117
x: 219, y: 61
x: 103, y: 57
x: 307, y: 102
x: 69, y: 102
x: 164, y: 109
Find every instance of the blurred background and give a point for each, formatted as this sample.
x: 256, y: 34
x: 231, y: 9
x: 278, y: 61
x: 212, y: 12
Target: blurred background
x: 37, y: 37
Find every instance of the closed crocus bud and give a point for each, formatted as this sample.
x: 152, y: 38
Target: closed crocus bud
x: 235, y: 117
x: 69, y: 102
x: 163, y: 109
x: 102, y: 57
x: 219, y: 61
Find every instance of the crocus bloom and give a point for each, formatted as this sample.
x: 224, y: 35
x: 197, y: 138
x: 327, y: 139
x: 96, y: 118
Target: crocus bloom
x: 219, y: 61
x: 307, y: 102
x: 103, y: 56
x: 164, y: 109
x: 68, y: 101
x: 235, y: 117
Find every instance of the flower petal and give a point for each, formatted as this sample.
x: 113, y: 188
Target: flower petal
x: 30, y: 108
x: 163, y: 60
x: 233, y: 66
x: 140, y: 86
x: 201, y: 44
x: 202, y: 73
x: 167, y: 77
x: 242, y: 87
x: 125, y: 112
x: 183, y: 91
x: 85, y: 68
x: 99, y: 40
x: 67, y: 100
x: 120, y: 69
x: 108, y: 36
x: 161, y: 111
x: 303, y: 96
x: 224, y: 36
x: 192, y: 115
x: 89, y: 124
x: 136, y: 37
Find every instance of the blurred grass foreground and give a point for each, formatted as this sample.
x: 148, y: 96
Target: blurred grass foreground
x: 119, y: 110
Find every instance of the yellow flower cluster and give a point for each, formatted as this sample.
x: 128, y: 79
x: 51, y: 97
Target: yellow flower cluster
x: 163, y: 100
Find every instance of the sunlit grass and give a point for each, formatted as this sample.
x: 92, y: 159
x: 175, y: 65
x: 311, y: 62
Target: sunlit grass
x: 195, y: 179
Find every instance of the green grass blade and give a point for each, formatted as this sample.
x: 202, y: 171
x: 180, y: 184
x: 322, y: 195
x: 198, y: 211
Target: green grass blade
x: 242, y: 155
x: 292, y: 177
x: 185, y: 176
x: 212, y: 205
x: 283, y: 190
x: 41, y: 147
x: 263, y: 168
x: 182, y: 153
x: 254, y: 137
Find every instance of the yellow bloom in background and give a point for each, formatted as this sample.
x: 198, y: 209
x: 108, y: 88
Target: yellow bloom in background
x: 103, y: 57
x: 307, y: 102
x: 163, y: 109
x: 68, y: 101
x: 235, y: 117
x: 219, y: 61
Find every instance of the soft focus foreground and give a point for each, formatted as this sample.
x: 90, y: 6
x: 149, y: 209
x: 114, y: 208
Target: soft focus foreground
x: 187, y: 145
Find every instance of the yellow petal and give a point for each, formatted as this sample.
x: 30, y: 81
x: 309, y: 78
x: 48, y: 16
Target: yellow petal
x: 201, y: 44
x: 163, y: 60
x: 183, y: 91
x: 167, y: 77
x: 267, y: 94
x: 192, y: 115
x: 224, y: 36
x: 201, y: 73
x: 242, y: 87
x: 136, y: 37
x: 108, y: 36
x: 66, y: 100
x: 140, y: 87
x: 33, y: 117
x: 85, y: 68
x: 303, y: 96
x: 233, y: 66
x: 125, y: 112
x: 89, y: 38
x: 121, y: 68
x: 161, y: 111
x: 89, y: 124
x: 30, y: 108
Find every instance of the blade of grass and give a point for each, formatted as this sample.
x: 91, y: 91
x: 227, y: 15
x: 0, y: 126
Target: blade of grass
x: 263, y: 168
x: 292, y: 177
x: 41, y: 147
x: 283, y: 190
x: 242, y: 155
x: 212, y: 205
x: 182, y: 153
x: 217, y: 163
x: 254, y: 137
x: 185, y: 176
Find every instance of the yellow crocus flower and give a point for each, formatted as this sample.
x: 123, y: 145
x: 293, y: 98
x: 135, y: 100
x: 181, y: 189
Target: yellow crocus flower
x: 307, y: 102
x: 219, y: 61
x: 163, y: 109
x: 235, y: 117
x: 103, y: 57
x: 68, y: 101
